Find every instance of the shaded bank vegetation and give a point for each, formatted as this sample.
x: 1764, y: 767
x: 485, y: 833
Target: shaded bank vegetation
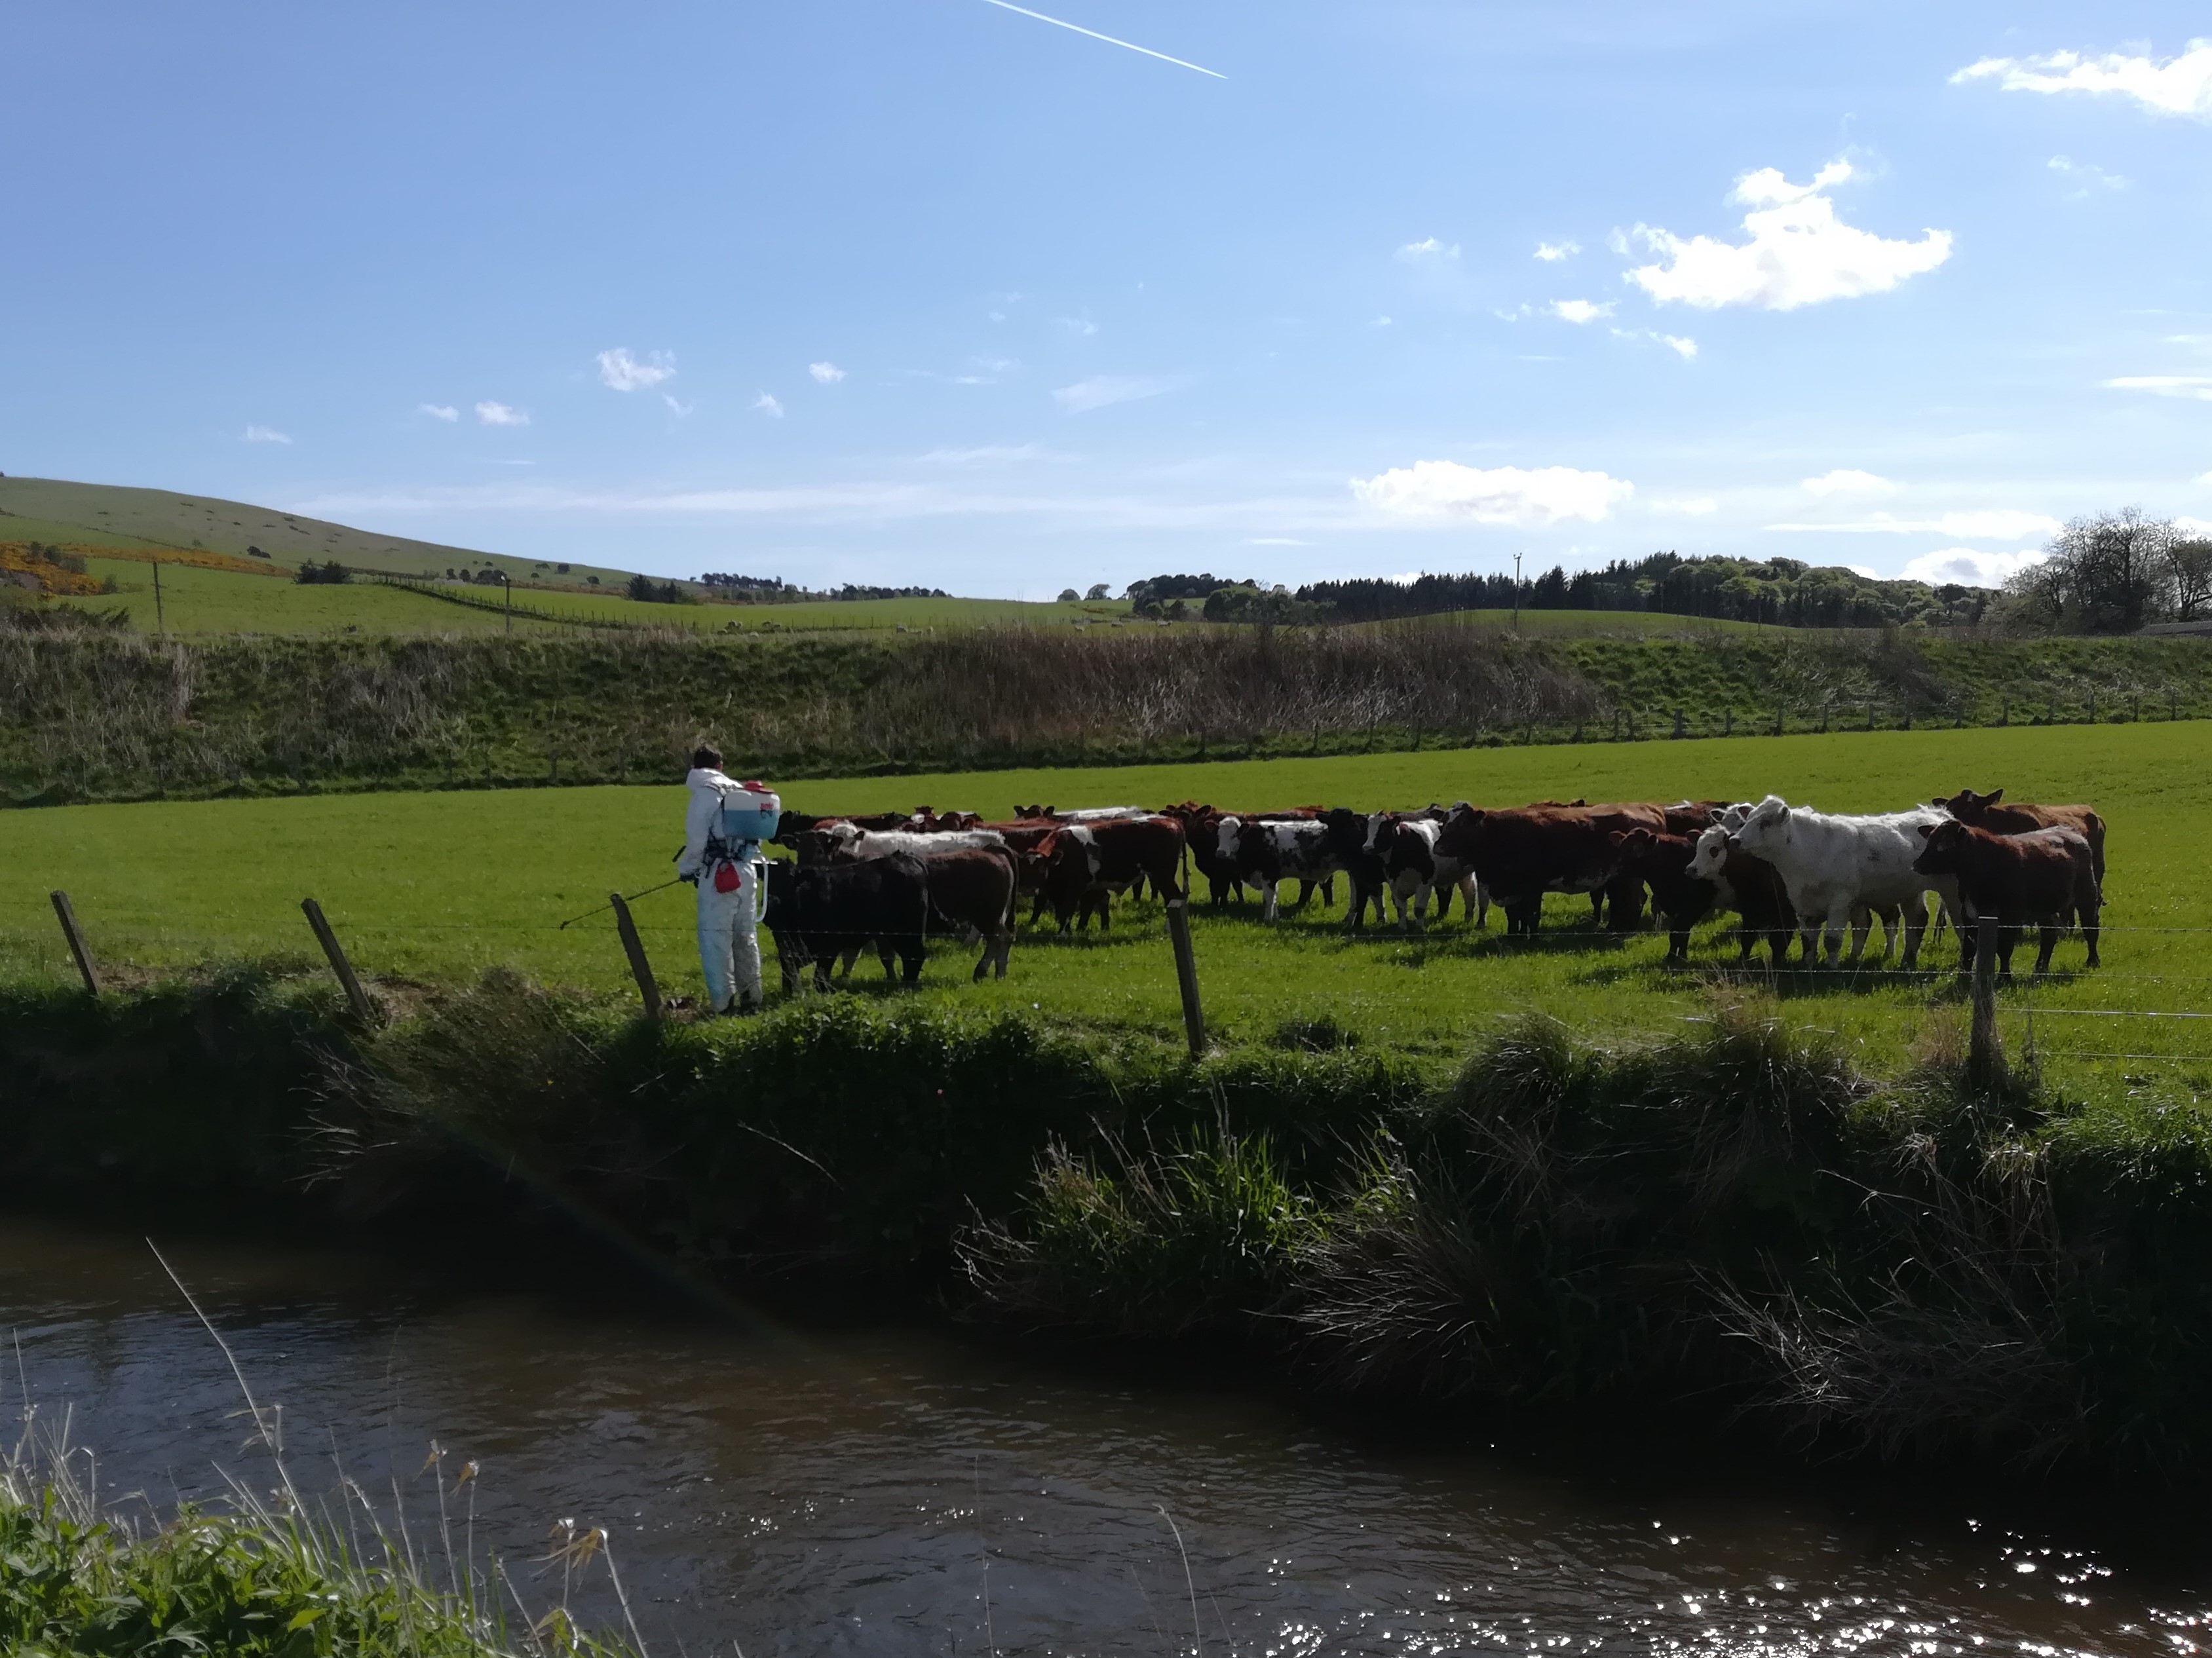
x: 1737, y: 1220
x: 95, y: 712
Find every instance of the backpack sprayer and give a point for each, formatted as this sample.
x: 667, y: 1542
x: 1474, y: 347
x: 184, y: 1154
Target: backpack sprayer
x: 749, y: 815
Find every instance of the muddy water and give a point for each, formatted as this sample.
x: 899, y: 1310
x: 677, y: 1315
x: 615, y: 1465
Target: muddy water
x: 896, y: 1491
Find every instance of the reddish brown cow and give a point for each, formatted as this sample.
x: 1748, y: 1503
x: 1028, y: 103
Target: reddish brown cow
x: 2042, y: 877
x: 1988, y: 811
x: 974, y: 889
x: 1521, y: 855
x: 1085, y: 862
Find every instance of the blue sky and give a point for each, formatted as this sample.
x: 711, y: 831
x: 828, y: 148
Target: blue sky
x: 931, y: 291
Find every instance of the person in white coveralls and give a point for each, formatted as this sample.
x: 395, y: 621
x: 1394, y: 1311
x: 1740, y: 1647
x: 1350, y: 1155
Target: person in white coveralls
x: 731, y: 878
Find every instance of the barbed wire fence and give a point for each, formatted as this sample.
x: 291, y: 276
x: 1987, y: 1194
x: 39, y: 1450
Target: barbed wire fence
x: 2005, y: 1012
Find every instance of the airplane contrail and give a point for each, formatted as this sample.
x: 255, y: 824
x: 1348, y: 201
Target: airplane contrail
x: 1008, y: 5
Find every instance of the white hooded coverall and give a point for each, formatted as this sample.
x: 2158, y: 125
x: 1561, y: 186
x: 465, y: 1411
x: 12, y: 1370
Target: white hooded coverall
x: 729, y: 922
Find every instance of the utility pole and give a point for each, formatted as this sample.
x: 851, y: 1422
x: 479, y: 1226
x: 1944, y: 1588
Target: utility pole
x: 160, y: 617
x: 1516, y: 592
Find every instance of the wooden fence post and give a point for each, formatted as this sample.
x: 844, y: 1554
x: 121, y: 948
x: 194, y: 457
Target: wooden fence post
x: 1985, y: 1050
x: 634, y: 947
x: 77, y: 947
x: 1194, y: 1016
x: 357, y: 998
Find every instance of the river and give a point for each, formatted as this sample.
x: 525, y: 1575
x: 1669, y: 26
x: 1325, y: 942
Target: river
x: 895, y: 1491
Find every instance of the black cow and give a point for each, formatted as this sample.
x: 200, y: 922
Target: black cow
x: 1347, y: 839
x: 817, y: 914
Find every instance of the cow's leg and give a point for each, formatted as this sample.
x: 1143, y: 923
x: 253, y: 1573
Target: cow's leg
x: 2007, y: 939
x: 1037, y: 909
x: 1597, y: 908
x: 1833, y: 929
x: 1421, y: 907
x: 2088, y: 911
x: 1916, y: 927
x: 1268, y: 900
x: 1444, y: 902
x: 886, y: 951
x: 2048, y: 943
x: 911, y: 948
x: 1678, y: 947
x: 1005, y: 949
x: 1479, y: 902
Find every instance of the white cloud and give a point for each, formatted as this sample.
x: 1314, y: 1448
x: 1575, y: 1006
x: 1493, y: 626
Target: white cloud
x: 1444, y: 489
x: 988, y: 454
x: 1580, y: 311
x: 444, y: 412
x: 2202, y: 477
x: 1078, y: 325
x: 1428, y: 249
x: 1101, y: 390
x: 1968, y: 568
x: 1799, y: 253
x: 2088, y: 174
x: 1844, y: 481
x: 1552, y: 252
x: 825, y: 373
x: 768, y: 405
x: 264, y: 435
x: 1688, y: 505
x: 498, y: 414
x: 621, y: 372
x: 1380, y: 322
x: 2194, y: 526
x: 1990, y: 525
x: 1866, y: 570
x: 1681, y: 344
x: 2180, y: 86
x: 2196, y: 386
x: 680, y: 407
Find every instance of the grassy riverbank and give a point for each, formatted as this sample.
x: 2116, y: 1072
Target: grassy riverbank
x: 1741, y: 1218
x: 243, y: 1580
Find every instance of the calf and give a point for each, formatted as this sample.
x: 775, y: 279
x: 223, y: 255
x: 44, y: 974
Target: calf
x: 1266, y: 853
x: 1679, y: 895
x: 2043, y: 877
x: 1840, y: 871
x: 1988, y: 811
x: 1200, y: 834
x: 1085, y: 862
x: 818, y: 913
x: 974, y: 891
x: 1750, y: 886
x: 1407, y: 843
x: 1364, y: 868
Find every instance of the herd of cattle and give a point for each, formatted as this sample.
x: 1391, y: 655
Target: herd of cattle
x: 893, y: 880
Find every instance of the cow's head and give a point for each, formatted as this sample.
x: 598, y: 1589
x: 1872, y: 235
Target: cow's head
x: 1967, y: 806
x: 1944, y: 846
x: 1382, y: 829
x: 1766, y: 828
x: 1708, y: 856
x: 1227, y: 834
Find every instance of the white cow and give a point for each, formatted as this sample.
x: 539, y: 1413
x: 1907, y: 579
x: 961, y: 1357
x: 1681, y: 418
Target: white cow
x: 859, y: 845
x: 1844, y: 871
x: 1264, y: 853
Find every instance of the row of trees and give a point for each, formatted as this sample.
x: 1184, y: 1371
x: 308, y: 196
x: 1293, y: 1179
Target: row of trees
x: 1783, y: 591
x: 2113, y: 572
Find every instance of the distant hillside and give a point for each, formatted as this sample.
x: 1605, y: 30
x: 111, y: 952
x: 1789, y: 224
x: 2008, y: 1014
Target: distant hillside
x: 112, y: 515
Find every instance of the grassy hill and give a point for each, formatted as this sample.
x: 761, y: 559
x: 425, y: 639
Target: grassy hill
x: 107, y: 514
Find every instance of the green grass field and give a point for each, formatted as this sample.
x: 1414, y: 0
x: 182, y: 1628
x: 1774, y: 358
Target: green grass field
x: 439, y: 886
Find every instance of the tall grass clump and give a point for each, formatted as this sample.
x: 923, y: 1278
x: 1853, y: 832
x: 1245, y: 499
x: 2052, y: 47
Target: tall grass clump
x: 245, y: 1578
x: 1147, y: 1243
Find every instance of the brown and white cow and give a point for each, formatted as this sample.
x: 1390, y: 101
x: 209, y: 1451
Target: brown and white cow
x: 1086, y: 862
x: 2044, y: 876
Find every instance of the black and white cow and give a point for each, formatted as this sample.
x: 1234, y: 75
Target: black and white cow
x: 1266, y: 853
